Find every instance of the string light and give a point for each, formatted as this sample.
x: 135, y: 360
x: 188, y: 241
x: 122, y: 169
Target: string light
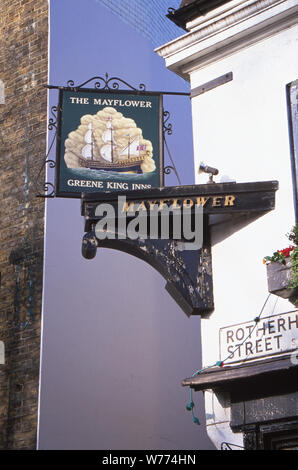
x: 190, y: 406
x: 229, y: 446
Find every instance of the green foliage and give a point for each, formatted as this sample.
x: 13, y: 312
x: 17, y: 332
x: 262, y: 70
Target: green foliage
x: 293, y: 235
x: 292, y: 252
x: 294, y: 261
x: 275, y: 258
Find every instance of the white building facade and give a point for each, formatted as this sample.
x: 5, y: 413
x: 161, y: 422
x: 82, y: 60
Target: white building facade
x: 239, y: 59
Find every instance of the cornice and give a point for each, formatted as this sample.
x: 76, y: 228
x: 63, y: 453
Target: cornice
x: 190, y: 10
x: 238, y: 27
x: 217, y: 14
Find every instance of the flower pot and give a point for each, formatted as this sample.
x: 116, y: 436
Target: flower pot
x: 279, y: 276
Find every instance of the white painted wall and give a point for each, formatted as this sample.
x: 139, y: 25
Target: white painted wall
x: 241, y: 128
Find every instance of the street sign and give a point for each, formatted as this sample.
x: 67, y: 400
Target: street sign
x: 273, y: 335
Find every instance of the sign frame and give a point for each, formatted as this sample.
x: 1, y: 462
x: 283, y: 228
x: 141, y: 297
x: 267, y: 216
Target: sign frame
x: 106, y: 92
x: 263, y: 354
x: 292, y: 108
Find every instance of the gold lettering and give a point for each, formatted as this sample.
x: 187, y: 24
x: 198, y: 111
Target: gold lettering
x: 175, y: 204
x: 188, y: 203
x: 229, y: 200
x: 128, y: 207
x: 201, y: 201
x: 162, y: 203
x: 141, y: 207
x: 217, y: 201
x: 153, y: 205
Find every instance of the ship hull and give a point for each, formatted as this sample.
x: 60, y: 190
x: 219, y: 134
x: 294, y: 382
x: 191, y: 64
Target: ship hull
x: 134, y: 167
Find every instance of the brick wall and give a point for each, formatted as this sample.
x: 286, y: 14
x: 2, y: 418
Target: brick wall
x: 23, y: 125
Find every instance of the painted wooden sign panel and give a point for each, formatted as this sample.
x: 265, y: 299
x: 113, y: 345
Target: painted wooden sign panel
x: 108, y: 141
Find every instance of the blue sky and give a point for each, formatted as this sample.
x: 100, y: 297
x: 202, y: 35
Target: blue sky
x: 148, y: 18
x: 88, y: 39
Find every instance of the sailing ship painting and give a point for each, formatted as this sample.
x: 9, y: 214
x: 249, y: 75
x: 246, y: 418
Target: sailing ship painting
x: 111, y: 142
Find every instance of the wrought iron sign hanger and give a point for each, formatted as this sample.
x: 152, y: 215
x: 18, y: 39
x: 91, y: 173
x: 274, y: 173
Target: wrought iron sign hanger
x: 110, y: 143
x: 105, y: 85
x: 187, y: 269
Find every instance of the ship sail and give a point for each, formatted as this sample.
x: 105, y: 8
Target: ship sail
x: 87, y: 150
x: 133, y: 148
x: 113, y: 154
x: 108, y: 149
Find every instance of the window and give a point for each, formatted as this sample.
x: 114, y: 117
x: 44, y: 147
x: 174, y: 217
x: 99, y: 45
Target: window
x: 292, y: 99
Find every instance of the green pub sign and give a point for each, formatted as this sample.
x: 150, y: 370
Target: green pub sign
x: 108, y: 141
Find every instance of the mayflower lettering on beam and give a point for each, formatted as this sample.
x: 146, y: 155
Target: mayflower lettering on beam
x: 159, y: 222
x: 172, y: 204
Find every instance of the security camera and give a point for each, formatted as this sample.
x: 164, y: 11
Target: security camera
x: 209, y: 170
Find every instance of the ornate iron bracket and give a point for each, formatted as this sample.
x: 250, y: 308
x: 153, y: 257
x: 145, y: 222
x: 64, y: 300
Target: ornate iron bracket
x: 53, y: 121
x: 48, y: 188
x: 186, y: 269
x: 105, y: 83
x: 168, y: 129
x: 188, y: 274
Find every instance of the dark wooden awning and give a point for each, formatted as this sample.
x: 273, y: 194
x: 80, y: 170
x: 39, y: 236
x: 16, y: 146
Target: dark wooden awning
x: 254, y: 374
x: 217, y: 198
x: 187, y: 270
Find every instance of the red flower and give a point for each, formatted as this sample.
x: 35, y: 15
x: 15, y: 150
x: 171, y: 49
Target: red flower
x: 286, y: 251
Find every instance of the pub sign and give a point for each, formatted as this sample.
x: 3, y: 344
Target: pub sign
x: 108, y: 141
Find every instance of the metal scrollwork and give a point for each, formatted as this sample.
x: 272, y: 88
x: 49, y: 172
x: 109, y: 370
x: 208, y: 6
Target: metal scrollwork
x: 105, y: 83
x: 168, y: 170
x: 53, y: 121
x: 52, y: 163
x: 47, y: 188
x: 167, y: 128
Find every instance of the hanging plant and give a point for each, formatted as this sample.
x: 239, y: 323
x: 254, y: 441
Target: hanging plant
x: 282, y: 269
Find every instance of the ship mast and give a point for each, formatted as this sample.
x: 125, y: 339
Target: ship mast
x: 92, y: 143
x: 112, y: 146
